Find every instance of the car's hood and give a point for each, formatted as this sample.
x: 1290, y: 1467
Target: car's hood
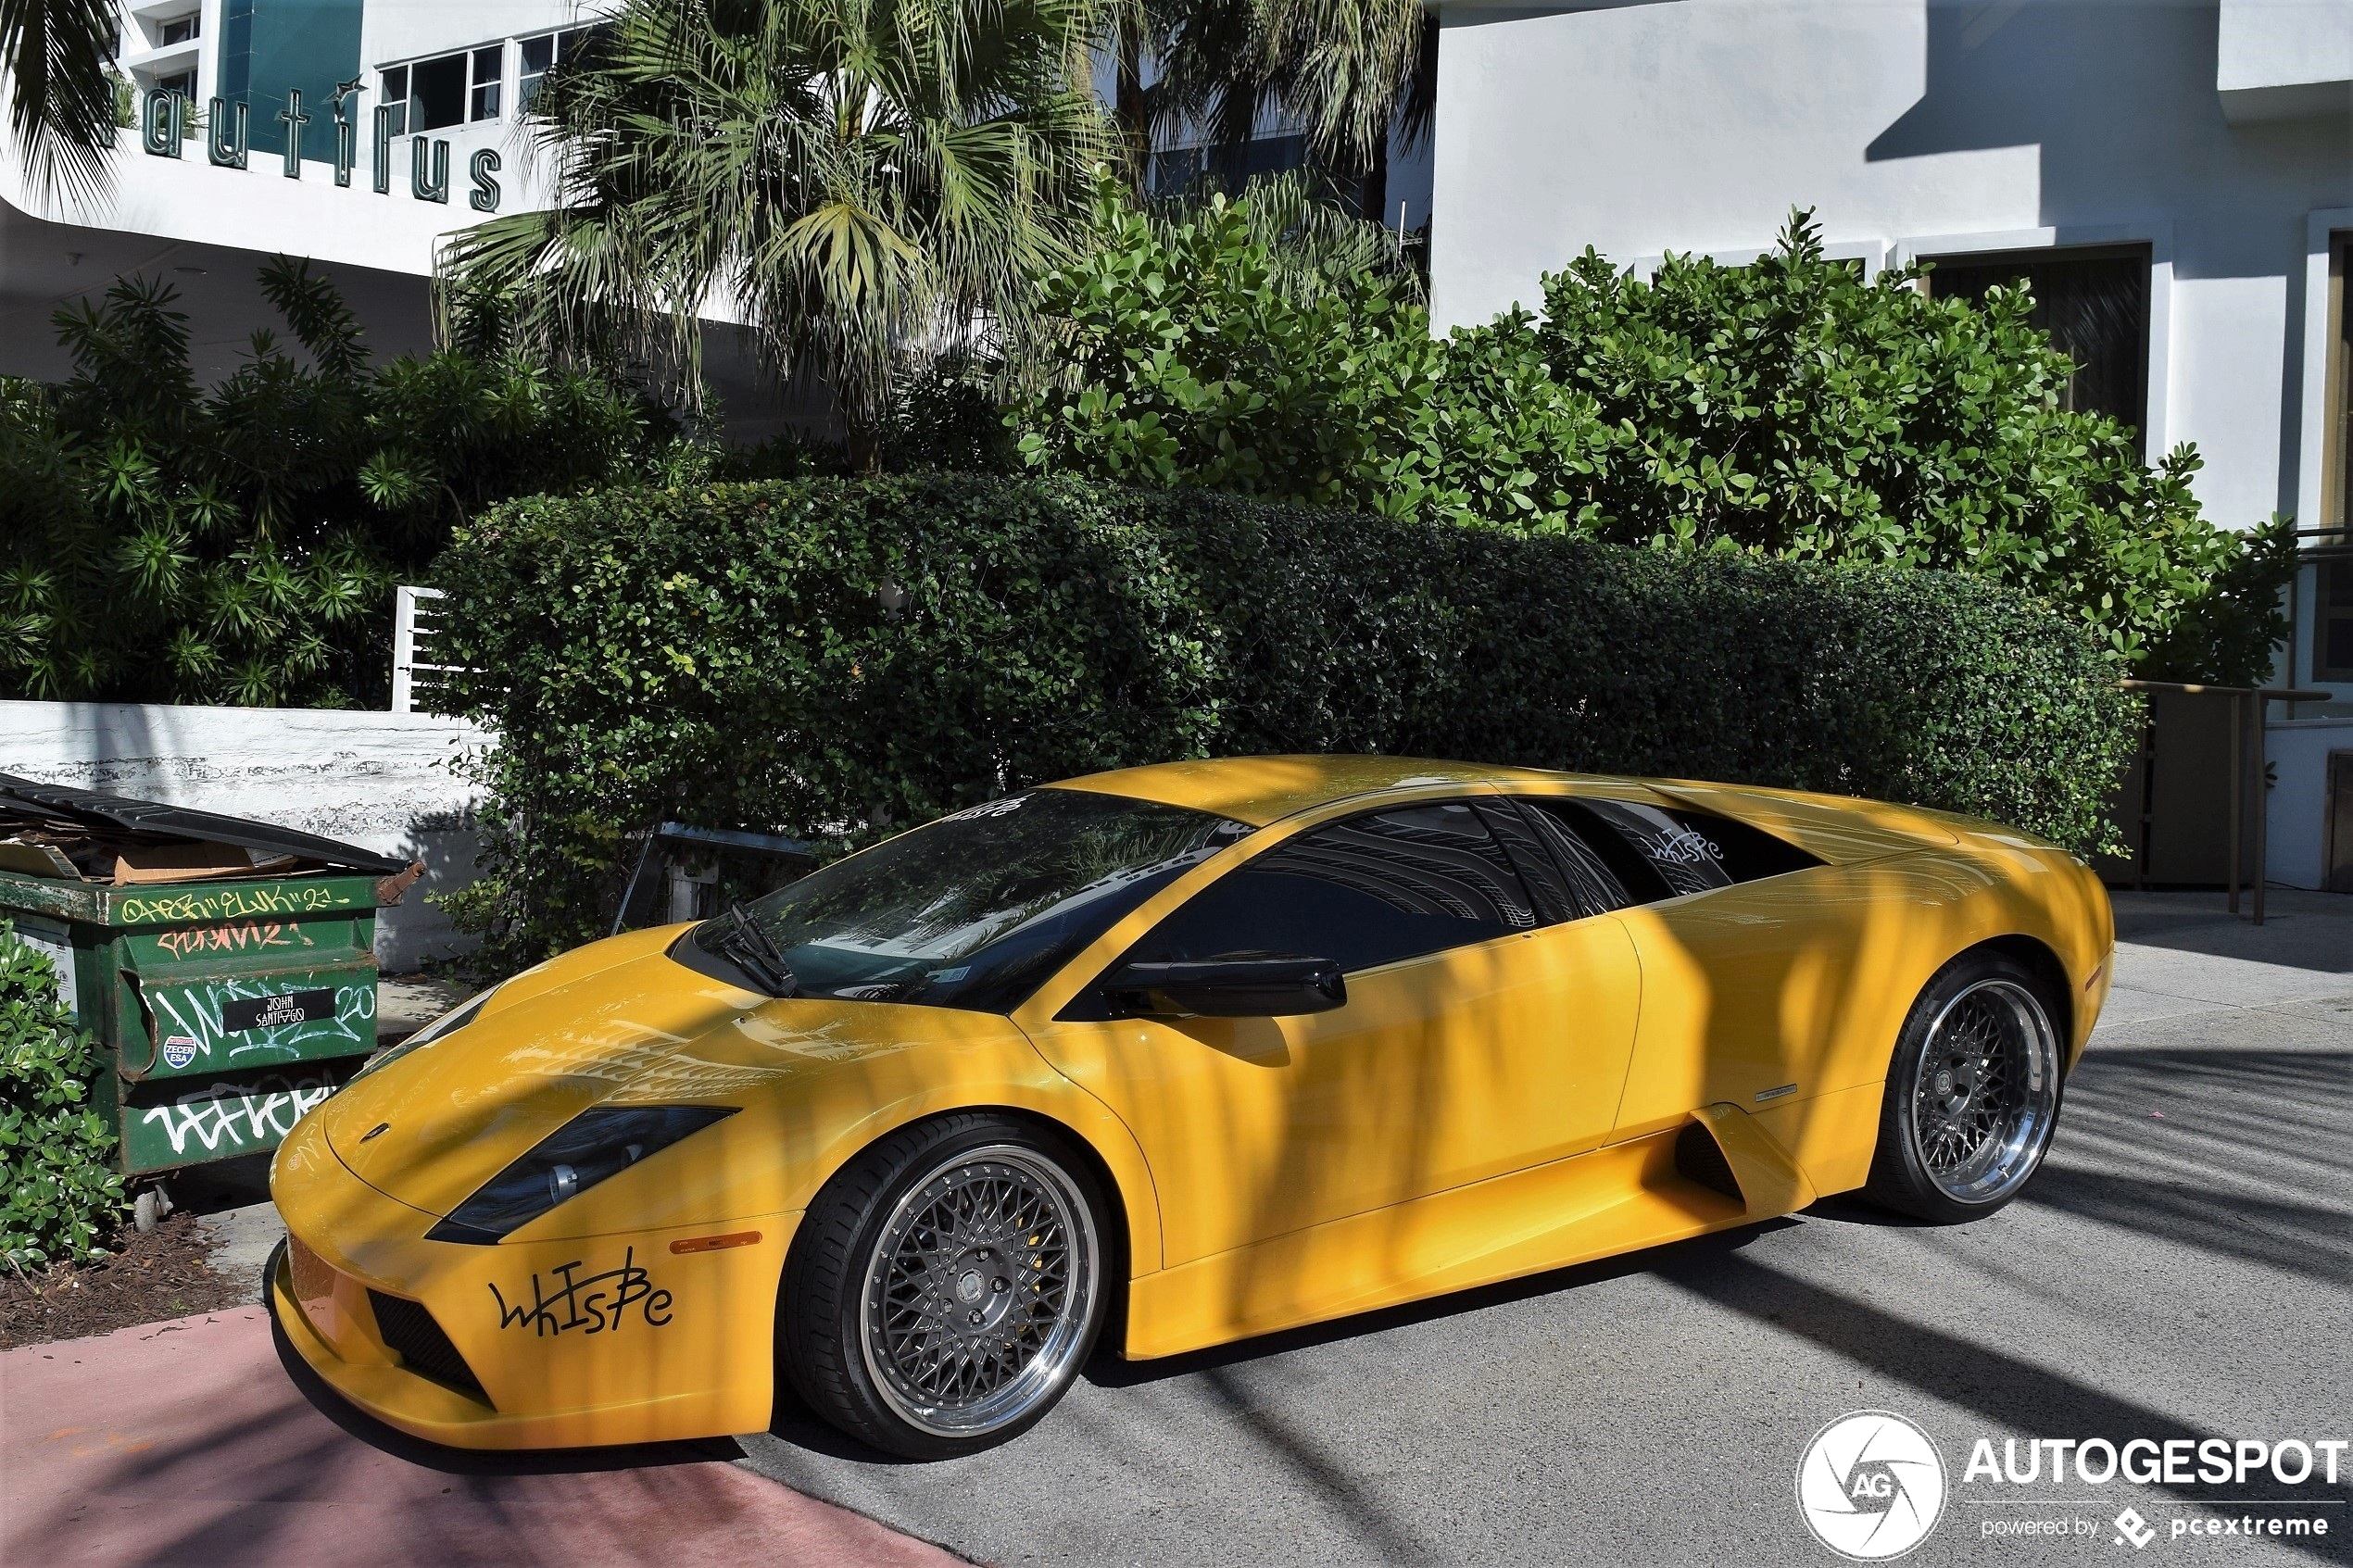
x: 432, y: 1127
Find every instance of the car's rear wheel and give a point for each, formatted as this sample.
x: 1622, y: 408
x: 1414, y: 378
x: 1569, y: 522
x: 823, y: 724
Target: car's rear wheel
x: 946, y: 1286
x: 1972, y: 1092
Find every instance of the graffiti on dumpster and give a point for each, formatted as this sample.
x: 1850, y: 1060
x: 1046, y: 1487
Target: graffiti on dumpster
x: 239, y: 937
x: 227, y: 1118
x: 226, y: 1020
x: 237, y: 903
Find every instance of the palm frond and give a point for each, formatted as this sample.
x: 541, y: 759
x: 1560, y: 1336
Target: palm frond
x: 61, y: 99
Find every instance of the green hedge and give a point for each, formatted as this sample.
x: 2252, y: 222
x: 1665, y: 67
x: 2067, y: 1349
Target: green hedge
x: 1787, y: 407
x: 59, y: 1190
x: 831, y: 658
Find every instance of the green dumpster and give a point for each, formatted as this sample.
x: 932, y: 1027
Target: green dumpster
x: 224, y: 1005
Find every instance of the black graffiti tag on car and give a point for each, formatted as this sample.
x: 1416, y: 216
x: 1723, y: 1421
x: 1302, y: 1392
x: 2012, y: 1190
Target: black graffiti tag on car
x: 597, y: 1303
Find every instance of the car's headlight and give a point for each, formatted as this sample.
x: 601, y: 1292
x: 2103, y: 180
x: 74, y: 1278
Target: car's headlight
x: 568, y: 1161
x: 449, y: 1022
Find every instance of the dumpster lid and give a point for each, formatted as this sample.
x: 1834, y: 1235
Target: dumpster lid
x: 30, y: 803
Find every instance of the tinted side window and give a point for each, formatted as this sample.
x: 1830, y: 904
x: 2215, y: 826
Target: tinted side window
x: 1746, y: 853
x: 1369, y: 891
x: 1569, y: 880
x: 1681, y: 851
x: 1612, y: 868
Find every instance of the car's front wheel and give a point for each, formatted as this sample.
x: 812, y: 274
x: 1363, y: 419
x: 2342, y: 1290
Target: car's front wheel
x: 1972, y: 1092
x: 945, y: 1286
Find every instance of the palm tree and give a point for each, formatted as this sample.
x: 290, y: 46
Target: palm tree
x: 853, y: 178
x: 1349, y: 70
x: 1346, y: 71
x: 60, y: 98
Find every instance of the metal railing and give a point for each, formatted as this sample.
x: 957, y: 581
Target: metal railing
x: 2246, y: 713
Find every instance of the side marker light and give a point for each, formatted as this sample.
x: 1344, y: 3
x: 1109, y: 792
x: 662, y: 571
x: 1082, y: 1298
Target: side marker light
x: 714, y: 1243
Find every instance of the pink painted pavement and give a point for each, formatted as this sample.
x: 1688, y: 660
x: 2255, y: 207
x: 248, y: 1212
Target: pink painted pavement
x: 186, y: 1445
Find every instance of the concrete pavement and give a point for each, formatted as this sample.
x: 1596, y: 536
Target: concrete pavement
x: 2179, y: 1270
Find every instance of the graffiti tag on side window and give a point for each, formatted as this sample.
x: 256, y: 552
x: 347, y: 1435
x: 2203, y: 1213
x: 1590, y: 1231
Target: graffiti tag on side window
x: 1009, y: 803
x: 1683, y: 848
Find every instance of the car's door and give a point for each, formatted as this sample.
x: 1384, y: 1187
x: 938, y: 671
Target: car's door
x: 1756, y: 959
x: 1484, y: 1031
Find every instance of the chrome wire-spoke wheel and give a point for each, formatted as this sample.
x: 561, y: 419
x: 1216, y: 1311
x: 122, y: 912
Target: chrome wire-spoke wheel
x: 1986, y: 1091
x: 979, y: 1292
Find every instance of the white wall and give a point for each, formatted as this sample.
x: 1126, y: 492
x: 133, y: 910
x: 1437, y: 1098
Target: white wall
x: 1696, y: 125
x: 2297, y: 809
x: 381, y: 780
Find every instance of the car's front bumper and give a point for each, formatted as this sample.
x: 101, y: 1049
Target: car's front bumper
x: 544, y: 1344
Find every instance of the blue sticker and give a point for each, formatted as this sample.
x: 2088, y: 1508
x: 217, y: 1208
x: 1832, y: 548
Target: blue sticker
x: 179, y: 1051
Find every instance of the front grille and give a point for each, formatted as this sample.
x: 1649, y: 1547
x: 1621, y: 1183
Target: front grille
x: 409, y: 1330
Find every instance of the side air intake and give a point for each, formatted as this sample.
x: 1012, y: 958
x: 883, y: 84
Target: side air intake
x: 1700, y: 1160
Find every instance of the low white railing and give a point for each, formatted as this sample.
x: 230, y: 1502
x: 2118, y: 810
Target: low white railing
x: 416, y: 633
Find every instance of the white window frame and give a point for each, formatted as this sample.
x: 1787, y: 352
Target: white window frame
x: 466, y: 94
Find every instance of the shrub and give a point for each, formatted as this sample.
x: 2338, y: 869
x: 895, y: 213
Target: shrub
x: 831, y: 658
x: 59, y: 1189
x: 1784, y: 409
x: 163, y: 542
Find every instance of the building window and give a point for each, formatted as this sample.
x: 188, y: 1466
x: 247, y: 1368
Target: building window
x: 2333, y: 554
x: 180, y: 29
x: 490, y: 69
x: 543, y: 54
x: 395, y: 98
x: 1178, y: 170
x: 2333, y: 623
x: 447, y: 90
x: 2094, y: 303
x: 181, y: 82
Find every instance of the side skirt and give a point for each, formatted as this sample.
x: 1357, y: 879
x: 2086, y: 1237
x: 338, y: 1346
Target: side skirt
x: 1613, y: 1200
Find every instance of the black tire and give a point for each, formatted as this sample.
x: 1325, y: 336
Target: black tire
x: 946, y: 1286
x: 1973, y: 1092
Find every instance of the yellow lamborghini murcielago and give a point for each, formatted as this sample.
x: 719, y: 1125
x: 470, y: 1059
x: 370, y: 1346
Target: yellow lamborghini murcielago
x: 1168, y: 1057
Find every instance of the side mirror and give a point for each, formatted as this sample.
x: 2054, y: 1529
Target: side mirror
x: 1229, y: 985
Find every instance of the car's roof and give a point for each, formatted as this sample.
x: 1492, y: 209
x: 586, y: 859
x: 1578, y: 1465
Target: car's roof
x: 1259, y: 790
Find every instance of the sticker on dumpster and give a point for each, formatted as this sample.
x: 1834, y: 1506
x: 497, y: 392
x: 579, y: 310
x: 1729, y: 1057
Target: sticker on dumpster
x: 275, y: 1013
x: 179, y: 1051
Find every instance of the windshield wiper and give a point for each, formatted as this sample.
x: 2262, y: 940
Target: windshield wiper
x: 755, y: 952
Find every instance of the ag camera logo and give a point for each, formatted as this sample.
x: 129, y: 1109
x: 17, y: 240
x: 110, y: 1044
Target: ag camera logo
x: 1872, y: 1486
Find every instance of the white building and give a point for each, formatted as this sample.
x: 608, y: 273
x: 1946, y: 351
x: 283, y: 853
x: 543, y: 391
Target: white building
x: 2174, y: 176
x: 428, y: 140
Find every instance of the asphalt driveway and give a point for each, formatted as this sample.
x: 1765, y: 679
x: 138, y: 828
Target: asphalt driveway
x: 2178, y: 1271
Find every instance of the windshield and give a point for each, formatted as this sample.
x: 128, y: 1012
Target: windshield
x: 973, y: 910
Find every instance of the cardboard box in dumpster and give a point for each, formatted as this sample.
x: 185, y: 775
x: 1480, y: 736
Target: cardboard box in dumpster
x: 227, y: 1000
